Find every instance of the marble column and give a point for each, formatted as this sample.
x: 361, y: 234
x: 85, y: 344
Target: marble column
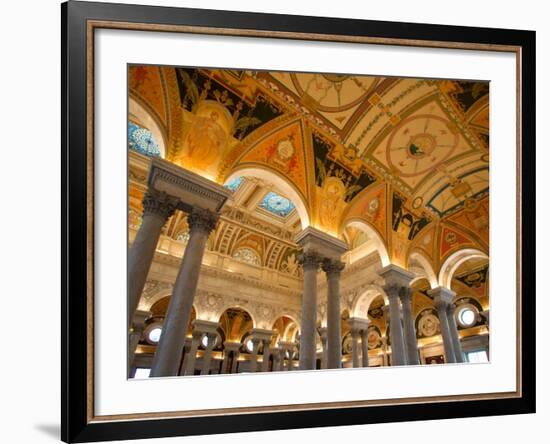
x: 207, y: 357
x: 310, y: 262
x: 235, y: 362
x: 409, y: 332
x: 357, y: 325
x: 365, y: 346
x: 442, y: 299
x: 457, y: 346
x: 186, y: 350
x: 333, y: 269
x: 282, y: 356
x: 135, y: 335
x: 290, y: 359
x: 319, y: 246
x: 157, y: 208
x: 355, y: 347
x: 253, y: 364
x: 165, y: 363
x: 385, y: 361
x: 396, y: 329
x: 190, y: 361
x: 266, y: 353
x: 323, y: 335
x: 229, y: 349
x: 276, y: 359
x: 396, y: 278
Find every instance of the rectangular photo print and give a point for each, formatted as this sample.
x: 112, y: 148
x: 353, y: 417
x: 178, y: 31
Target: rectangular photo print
x: 285, y: 221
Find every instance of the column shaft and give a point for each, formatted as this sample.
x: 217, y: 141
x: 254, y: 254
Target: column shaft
x: 235, y: 361
x: 445, y: 332
x: 167, y: 357
x: 396, y: 329
x: 409, y: 331
x: 365, y: 347
x: 157, y: 208
x: 355, y: 348
x: 254, y: 355
x: 457, y: 346
x: 207, y: 357
x: 310, y: 262
x: 265, y: 356
x: 190, y: 364
x: 334, y: 319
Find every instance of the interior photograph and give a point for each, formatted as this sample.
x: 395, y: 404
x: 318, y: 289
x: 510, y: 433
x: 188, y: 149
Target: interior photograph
x: 286, y: 221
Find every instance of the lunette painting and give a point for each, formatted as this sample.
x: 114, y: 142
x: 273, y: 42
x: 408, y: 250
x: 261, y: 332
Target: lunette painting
x: 282, y: 221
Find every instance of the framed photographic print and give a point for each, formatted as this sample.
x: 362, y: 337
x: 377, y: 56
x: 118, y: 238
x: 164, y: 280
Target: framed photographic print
x: 277, y: 221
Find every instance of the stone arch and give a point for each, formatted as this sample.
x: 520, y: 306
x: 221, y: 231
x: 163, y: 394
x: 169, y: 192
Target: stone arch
x: 146, y: 304
x: 233, y: 307
x: 139, y: 110
x: 365, y: 299
x: 284, y: 185
x: 426, y: 269
x: 240, y: 306
x: 451, y: 264
x: 377, y: 241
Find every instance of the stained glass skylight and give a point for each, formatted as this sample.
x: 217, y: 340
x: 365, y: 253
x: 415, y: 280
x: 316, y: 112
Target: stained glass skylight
x: 234, y: 184
x: 277, y: 205
x: 141, y: 140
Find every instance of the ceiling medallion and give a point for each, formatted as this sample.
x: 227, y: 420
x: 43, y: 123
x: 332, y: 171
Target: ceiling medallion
x: 285, y: 149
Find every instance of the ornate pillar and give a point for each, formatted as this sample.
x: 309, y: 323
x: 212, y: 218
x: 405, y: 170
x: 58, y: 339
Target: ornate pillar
x: 357, y: 325
x: 333, y: 268
x: 157, y: 208
x: 411, y: 345
x: 365, y: 346
x: 443, y: 297
x: 207, y: 357
x: 253, y: 364
x: 235, y: 362
x: 396, y: 278
x: 323, y: 335
x: 135, y: 335
x: 266, y: 353
x: 165, y: 363
x: 229, y: 348
x: 190, y: 362
x: 457, y: 346
x: 276, y: 359
x: 186, y: 349
x: 310, y: 262
x: 318, y: 246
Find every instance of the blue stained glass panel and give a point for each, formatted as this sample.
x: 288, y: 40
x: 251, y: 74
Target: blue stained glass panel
x: 234, y: 184
x: 278, y: 205
x: 141, y: 140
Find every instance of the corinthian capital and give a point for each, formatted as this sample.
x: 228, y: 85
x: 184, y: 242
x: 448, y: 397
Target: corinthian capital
x: 333, y: 266
x: 310, y: 259
x: 159, y: 203
x: 204, y: 220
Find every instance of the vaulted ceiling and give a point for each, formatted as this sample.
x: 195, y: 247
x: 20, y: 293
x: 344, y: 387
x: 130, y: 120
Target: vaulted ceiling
x: 407, y: 157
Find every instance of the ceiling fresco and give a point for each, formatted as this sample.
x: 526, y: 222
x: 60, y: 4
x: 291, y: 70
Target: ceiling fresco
x: 407, y: 157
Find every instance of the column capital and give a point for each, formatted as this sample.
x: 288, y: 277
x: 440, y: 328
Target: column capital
x: 358, y: 324
x: 442, y: 296
x: 332, y: 267
x: 326, y: 245
x: 232, y: 346
x: 396, y: 276
x: 203, y: 326
x: 191, y: 189
x: 310, y: 259
x: 138, y: 323
x: 159, y: 203
x: 203, y: 220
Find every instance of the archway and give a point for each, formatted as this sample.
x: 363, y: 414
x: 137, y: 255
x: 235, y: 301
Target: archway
x: 420, y: 265
x: 372, y: 242
x: 138, y: 112
x: 278, y: 184
x: 451, y: 264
